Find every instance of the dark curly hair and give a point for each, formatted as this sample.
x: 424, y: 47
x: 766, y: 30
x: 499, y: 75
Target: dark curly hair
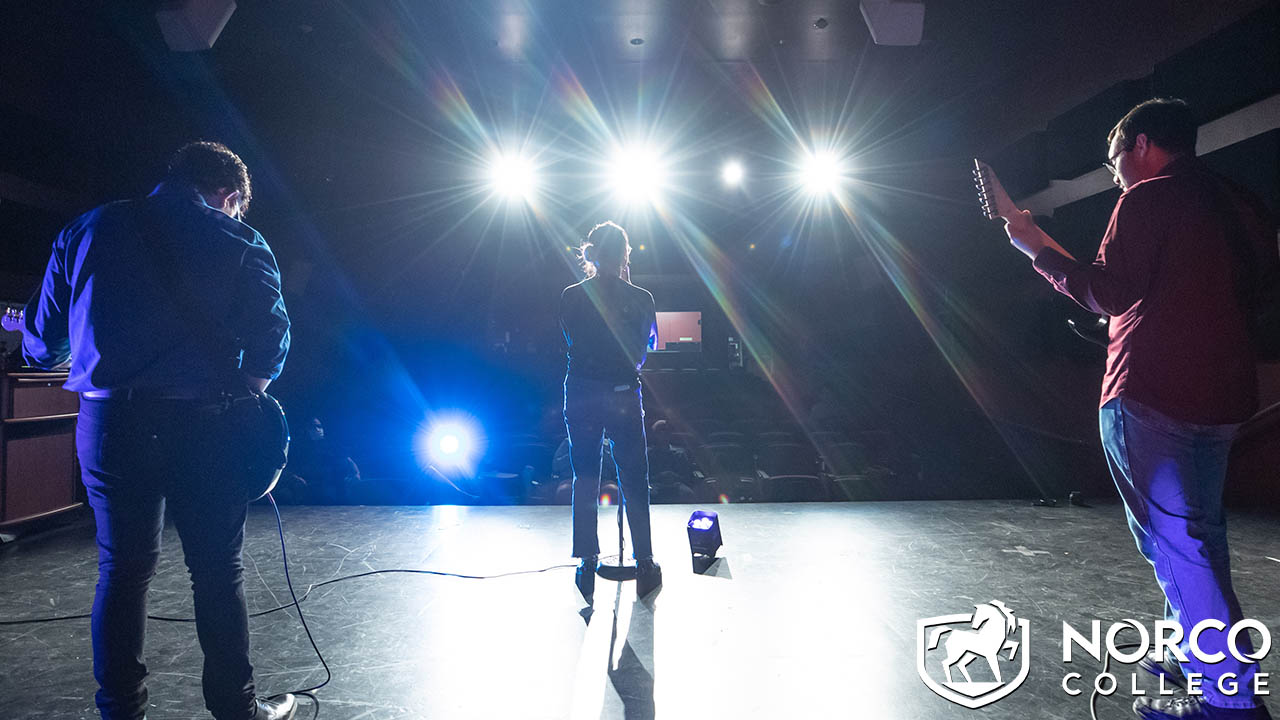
x: 1167, y: 122
x: 607, y: 243
x: 210, y: 167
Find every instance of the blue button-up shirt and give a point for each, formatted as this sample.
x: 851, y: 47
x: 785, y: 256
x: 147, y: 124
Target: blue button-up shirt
x: 161, y: 292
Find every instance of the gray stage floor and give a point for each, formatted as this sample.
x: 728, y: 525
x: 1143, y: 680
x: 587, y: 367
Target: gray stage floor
x: 811, y: 614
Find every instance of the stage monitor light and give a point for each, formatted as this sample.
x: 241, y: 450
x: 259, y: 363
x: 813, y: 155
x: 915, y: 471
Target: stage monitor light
x: 513, y: 176
x: 732, y: 173
x: 821, y: 172
x: 637, y: 174
x: 704, y: 538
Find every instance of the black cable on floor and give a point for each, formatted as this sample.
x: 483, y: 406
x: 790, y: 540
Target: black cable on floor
x: 328, y: 674
x: 307, y: 594
x: 297, y: 604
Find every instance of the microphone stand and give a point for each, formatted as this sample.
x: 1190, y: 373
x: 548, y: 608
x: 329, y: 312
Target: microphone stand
x: 620, y: 572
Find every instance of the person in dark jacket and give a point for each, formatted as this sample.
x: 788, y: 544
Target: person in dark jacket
x: 160, y: 304
x: 608, y: 325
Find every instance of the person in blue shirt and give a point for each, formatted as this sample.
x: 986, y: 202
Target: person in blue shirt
x: 609, y: 325
x: 161, y: 304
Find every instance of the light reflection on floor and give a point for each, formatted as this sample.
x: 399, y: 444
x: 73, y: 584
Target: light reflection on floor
x: 810, y: 613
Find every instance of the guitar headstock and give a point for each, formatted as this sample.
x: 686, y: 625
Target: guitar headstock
x: 996, y: 203
x: 12, y: 319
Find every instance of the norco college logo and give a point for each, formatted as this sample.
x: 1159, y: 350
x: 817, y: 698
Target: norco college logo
x: 947, y: 645
x: 987, y: 632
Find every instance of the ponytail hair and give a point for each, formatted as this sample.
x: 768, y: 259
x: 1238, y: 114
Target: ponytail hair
x: 607, y: 244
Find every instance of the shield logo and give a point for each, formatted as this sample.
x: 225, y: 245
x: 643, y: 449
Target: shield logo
x: 955, y: 641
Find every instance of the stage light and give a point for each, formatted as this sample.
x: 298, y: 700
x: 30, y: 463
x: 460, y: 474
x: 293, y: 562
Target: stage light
x: 637, y: 174
x: 513, y: 176
x: 450, y: 443
x: 704, y: 538
x: 821, y: 172
x: 732, y: 173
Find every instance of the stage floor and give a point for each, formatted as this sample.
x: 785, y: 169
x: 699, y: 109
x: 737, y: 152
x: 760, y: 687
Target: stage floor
x: 812, y: 613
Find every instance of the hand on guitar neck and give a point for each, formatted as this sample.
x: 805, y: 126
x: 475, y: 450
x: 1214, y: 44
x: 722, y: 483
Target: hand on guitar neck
x: 1021, y: 228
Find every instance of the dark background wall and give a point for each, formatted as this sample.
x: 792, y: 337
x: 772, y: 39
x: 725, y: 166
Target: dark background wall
x: 411, y: 290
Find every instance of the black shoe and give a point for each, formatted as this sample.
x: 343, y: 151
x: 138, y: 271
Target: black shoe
x: 1170, y: 670
x: 281, y: 707
x: 648, y: 576
x: 1192, y: 707
x: 585, y: 578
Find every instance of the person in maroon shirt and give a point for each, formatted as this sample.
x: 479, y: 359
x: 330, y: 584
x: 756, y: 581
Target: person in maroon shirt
x: 1180, y: 377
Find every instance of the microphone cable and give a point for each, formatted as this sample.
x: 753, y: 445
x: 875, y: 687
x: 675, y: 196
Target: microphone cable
x: 296, y: 603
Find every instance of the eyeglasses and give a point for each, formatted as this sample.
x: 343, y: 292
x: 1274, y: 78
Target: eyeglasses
x: 1110, y: 162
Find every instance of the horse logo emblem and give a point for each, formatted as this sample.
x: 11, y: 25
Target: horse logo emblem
x: 992, y: 630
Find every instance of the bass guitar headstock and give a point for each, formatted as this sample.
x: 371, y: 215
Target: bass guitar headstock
x: 995, y: 202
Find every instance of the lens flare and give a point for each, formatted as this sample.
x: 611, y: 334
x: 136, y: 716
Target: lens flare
x: 821, y: 173
x: 513, y: 177
x: 637, y: 174
x: 451, y: 442
x: 732, y: 173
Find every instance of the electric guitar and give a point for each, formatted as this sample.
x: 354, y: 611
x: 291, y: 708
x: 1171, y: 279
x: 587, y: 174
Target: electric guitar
x: 996, y: 203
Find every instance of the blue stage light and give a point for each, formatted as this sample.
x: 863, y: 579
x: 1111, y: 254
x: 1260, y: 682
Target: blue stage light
x: 449, y: 443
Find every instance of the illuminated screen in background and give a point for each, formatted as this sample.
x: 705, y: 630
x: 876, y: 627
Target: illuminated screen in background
x: 680, y: 331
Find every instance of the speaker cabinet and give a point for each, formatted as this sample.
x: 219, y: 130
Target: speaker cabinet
x: 39, y: 475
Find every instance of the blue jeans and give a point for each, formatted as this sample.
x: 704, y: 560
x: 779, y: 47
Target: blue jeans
x: 135, y: 456
x: 593, y: 408
x: 1170, y: 474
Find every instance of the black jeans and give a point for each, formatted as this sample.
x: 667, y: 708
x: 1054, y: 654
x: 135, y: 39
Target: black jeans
x: 135, y: 456
x: 593, y: 408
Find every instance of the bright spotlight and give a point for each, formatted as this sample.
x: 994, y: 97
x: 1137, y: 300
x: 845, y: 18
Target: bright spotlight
x: 637, y: 174
x: 452, y: 443
x: 513, y: 176
x: 821, y: 172
x: 732, y: 173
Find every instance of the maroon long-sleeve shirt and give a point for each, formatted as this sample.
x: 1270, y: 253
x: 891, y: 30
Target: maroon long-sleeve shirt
x: 1166, y: 275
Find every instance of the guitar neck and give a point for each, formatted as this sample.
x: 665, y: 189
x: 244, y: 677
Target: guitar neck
x: 996, y: 203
